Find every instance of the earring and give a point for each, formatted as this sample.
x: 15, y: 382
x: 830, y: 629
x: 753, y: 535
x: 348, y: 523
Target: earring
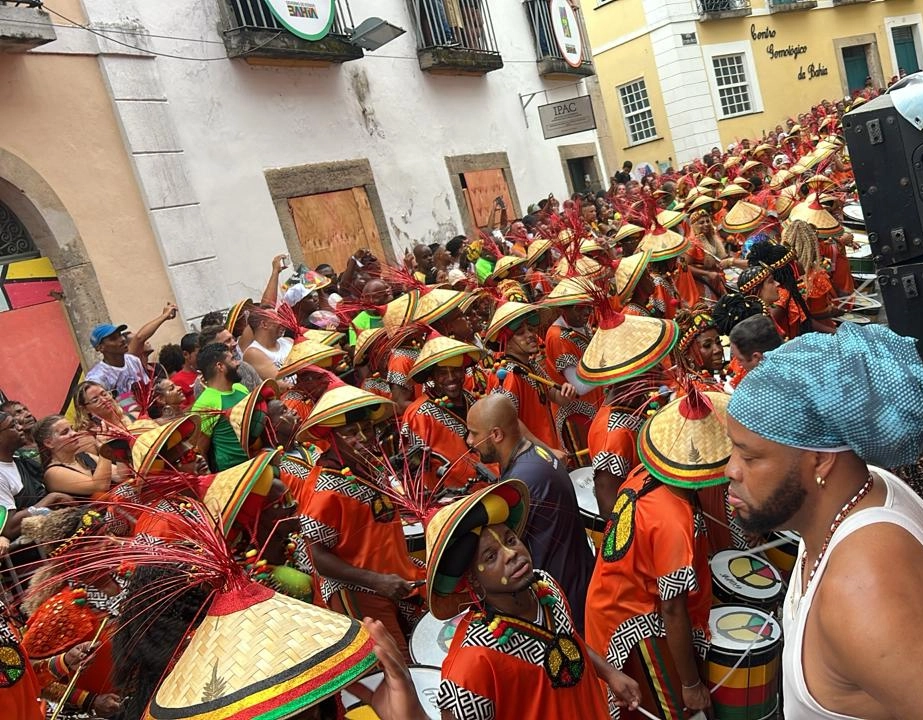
x: 820, y: 481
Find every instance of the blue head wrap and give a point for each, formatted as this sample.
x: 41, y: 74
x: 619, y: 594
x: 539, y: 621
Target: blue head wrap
x: 860, y: 389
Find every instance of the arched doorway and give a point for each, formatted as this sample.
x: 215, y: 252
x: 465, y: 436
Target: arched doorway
x: 49, y: 295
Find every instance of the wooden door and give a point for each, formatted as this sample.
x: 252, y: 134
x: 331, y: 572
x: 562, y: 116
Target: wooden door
x: 332, y: 226
x: 482, y: 187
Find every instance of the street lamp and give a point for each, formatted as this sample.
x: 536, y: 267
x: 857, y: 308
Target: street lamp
x: 371, y: 34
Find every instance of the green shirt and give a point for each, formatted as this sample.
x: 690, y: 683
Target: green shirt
x: 363, y: 321
x: 483, y: 267
x: 226, y: 451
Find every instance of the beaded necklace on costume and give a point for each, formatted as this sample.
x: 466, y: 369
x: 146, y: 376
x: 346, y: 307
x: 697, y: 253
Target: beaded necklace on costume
x: 837, y: 521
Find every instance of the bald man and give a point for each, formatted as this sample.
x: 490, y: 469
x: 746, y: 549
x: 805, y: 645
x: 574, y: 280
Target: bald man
x: 554, y: 534
x: 426, y: 266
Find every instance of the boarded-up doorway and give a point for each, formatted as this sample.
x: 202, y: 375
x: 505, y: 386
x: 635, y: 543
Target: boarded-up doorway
x: 332, y: 226
x: 481, y: 189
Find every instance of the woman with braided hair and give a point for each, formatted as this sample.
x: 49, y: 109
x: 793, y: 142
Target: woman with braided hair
x: 815, y: 281
x: 729, y: 312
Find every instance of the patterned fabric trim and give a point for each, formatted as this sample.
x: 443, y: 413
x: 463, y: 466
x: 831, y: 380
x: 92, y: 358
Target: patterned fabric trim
x: 511, y: 396
x: 315, y: 531
x: 564, y: 361
x: 577, y: 336
x: 630, y: 633
x: 399, y: 379
x: 625, y: 420
x: 577, y: 407
x: 376, y: 384
x: 609, y: 462
x: 443, y: 416
x: 335, y: 482
x: 464, y: 704
x: 677, y: 583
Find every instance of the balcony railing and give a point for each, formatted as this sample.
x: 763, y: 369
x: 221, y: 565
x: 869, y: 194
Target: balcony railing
x: 253, y: 32
x: 23, y: 26
x: 776, y: 6
x: 716, y: 9
x: 455, y: 36
x: 551, y: 60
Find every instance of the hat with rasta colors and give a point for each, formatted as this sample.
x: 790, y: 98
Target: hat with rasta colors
x: 446, y: 352
x: 508, y: 315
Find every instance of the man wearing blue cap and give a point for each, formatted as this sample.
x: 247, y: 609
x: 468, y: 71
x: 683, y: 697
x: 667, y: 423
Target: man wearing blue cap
x: 121, y: 366
x: 811, y: 427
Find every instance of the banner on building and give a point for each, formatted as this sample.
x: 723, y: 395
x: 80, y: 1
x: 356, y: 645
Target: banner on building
x: 567, y: 117
x: 567, y: 32
x: 308, y: 19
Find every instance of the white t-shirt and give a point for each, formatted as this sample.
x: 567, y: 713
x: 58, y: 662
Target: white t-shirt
x: 10, y: 485
x: 118, y: 380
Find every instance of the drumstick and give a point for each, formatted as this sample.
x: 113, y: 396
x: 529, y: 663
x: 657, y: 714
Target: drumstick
x: 769, y: 545
x: 76, y: 674
x: 501, y: 373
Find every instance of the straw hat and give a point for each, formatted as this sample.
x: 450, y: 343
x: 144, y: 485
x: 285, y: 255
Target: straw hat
x: 228, y: 489
x: 743, y: 218
x: 502, y: 268
x: 743, y: 182
x: 337, y: 404
x: 751, y: 165
x: 583, y: 267
x: 708, y: 181
x: 364, y: 341
x: 732, y: 161
x: 235, y: 312
x: 664, y: 244
x: 591, y: 245
x: 820, y: 183
x: 629, y: 272
x: 446, y: 351
x: 242, y: 415
x: 786, y: 201
x: 627, y: 230
x: 706, y: 203
x: 762, y: 148
x: 309, y: 352
x: 537, y: 248
x: 147, y: 446
x: 671, y: 218
x: 813, y: 213
x: 324, y: 337
x: 438, y: 303
x: 733, y: 190
x: 505, y: 314
x: 261, y: 654
x: 694, y: 193
x: 452, y: 537
x: 780, y: 178
x: 399, y: 311
x: 624, y: 346
x: 686, y: 444
x: 570, y: 291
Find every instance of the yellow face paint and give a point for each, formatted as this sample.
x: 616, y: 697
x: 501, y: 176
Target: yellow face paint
x: 504, y: 581
x: 480, y: 568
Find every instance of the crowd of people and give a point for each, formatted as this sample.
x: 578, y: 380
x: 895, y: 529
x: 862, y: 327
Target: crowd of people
x: 248, y: 524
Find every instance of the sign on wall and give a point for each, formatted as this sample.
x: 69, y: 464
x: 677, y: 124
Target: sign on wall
x: 567, y: 117
x: 567, y: 32
x: 308, y: 19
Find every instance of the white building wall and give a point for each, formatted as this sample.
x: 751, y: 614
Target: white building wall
x: 218, y: 125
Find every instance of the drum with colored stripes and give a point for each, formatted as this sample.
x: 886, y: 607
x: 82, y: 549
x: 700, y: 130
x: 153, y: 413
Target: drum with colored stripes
x: 743, y: 663
x: 740, y: 577
x: 582, y: 478
x: 415, y: 539
x: 429, y: 643
x: 783, y: 556
x: 425, y: 681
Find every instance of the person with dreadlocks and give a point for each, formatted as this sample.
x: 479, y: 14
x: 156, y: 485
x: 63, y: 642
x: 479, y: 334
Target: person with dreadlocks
x: 793, y: 316
x: 358, y: 540
x: 434, y: 426
x: 516, y: 652
x: 650, y: 596
x: 700, y: 348
x: 815, y: 284
x: 758, y: 281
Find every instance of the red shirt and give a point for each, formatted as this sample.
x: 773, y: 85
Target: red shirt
x: 185, y: 379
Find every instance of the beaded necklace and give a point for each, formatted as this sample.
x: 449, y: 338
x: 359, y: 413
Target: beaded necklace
x: 837, y: 521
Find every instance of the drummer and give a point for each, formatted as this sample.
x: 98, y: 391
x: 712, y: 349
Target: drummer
x: 649, y: 599
x: 516, y: 652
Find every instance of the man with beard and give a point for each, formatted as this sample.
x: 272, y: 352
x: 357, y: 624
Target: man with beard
x: 554, y: 533
x: 358, y: 538
x: 217, y: 441
x: 809, y: 425
x: 517, y: 652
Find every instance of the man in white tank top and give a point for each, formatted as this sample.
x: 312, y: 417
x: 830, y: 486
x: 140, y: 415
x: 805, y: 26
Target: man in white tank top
x: 269, y: 349
x: 809, y: 425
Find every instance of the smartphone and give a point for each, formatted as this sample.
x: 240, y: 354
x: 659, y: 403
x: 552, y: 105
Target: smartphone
x: 285, y: 262
x: 500, y: 203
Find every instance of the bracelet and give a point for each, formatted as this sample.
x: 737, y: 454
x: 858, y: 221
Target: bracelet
x: 33, y: 510
x: 690, y: 687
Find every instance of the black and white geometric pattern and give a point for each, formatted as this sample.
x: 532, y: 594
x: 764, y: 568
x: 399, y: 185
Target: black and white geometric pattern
x: 617, y: 465
x: 399, y: 379
x: 630, y: 633
x: 376, y: 385
x: 577, y: 407
x: 580, y: 337
x: 449, y: 419
x: 464, y: 704
x: 355, y: 489
x: 699, y: 527
x: 629, y: 421
x: 314, y: 531
x: 564, y: 361
x: 677, y: 583
x: 296, y: 467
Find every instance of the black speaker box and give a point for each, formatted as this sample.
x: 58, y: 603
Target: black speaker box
x: 887, y: 158
x: 902, y: 293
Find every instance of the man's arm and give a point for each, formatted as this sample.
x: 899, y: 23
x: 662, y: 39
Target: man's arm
x: 271, y: 293
x: 261, y: 363
x: 329, y: 565
x: 146, y: 331
x: 679, y: 640
x: 13, y: 526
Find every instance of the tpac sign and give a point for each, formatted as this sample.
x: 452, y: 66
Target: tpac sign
x: 308, y: 19
x: 567, y: 117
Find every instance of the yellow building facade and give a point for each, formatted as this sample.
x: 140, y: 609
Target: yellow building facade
x: 679, y: 77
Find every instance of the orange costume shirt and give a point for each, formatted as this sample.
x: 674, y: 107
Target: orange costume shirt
x: 400, y: 363
x: 564, y: 346
x: 665, y: 299
x: 613, y: 439
x: 533, y: 405
x: 655, y: 548
x: 19, y: 686
x: 821, y: 295
x: 441, y: 434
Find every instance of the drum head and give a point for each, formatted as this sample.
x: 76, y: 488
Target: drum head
x: 737, y: 629
x: 582, y: 478
x: 431, y: 639
x: 425, y: 680
x: 747, y: 577
x: 853, y: 212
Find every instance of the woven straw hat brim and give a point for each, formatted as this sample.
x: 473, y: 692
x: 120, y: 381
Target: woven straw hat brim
x: 708, y: 181
x: 147, y: 445
x: 733, y: 190
x: 664, y: 245
x: 671, y: 218
x: 683, y: 452
x: 324, y: 337
x: 399, y: 311
x: 744, y: 217
x: 229, y: 488
x: 591, y: 245
x: 241, y: 415
x: 780, y: 178
x: 822, y: 221
x: 583, y: 267
x: 504, y: 265
x: 620, y: 353
x: 234, y: 313
x: 437, y: 304
x: 339, y: 400
x: 570, y: 291
x: 439, y: 532
x: 505, y: 314
x: 364, y: 341
x: 704, y: 202
x: 442, y: 348
x: 629, y: 272
x: 750, y: 165
x: 309, y: 352
x: 260, y: 657
x: 537, y: 248
x: 627, y: 230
